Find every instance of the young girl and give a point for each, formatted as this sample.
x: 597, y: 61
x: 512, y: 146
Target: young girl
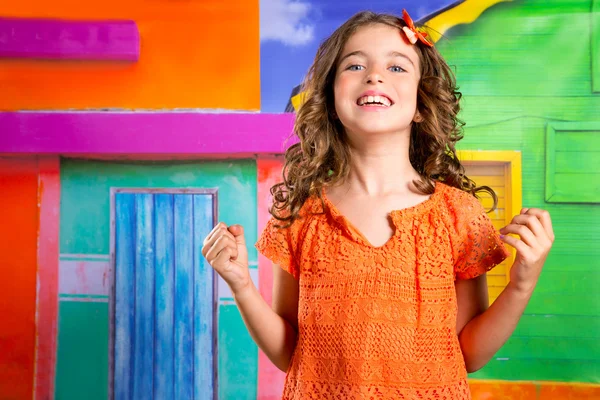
x: 379, y: 246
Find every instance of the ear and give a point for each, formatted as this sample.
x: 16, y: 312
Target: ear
x: 418, y: 117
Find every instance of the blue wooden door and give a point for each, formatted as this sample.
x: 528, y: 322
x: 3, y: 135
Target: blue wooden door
x: 164, y: 297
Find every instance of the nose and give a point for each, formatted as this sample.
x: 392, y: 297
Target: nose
x: 374, y: 76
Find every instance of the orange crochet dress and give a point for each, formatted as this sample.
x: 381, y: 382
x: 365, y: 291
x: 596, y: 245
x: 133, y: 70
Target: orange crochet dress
x: 380, y: 322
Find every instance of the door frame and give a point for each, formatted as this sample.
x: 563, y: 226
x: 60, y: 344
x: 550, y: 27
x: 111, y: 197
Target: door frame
x: 511, y: 160
x: 214, y: 192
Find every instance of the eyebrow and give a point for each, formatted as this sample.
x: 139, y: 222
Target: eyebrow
x: 390, y: 54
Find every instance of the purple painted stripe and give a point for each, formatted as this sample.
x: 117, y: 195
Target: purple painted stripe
x: 79, y: 40
x: 143, y: 133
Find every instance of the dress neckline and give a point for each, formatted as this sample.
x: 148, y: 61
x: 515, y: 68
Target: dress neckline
x: 397, y: 216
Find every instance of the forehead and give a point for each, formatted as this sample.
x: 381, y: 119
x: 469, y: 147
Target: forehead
x: 380, y: 39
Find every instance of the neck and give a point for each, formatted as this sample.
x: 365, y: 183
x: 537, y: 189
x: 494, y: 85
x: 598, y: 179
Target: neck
x: 380, y: 165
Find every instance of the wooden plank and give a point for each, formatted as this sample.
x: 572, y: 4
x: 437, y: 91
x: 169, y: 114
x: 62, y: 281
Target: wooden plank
x: 124, y: 294
x: 576, y: 243
x: 204, y: 302
x: 498, y: 214
x: 565, y: 304
x: 488, y: 202
x: 551, y: 348
x: 583, y: 188
x: 551, y: 281
x: 578, y: 141
x: 522, y: 369
x: 577, y: 163
x: 103, y: 133
x: 569, y: 326
x: 493, y: 181
x: 164, y: 385
x: 587, y: 182
x: 500, y: 191
x: 47, y: 277
x: 69, y: 40
x: 184, y: 298
x: 483, y: 168
x: 550, y: 170
x: 486, y: 108
x: 143, y: 350
x: 573, y: 263
x: 595, y: 45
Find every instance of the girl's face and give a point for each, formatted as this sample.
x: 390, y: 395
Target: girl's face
x: 375, y: 87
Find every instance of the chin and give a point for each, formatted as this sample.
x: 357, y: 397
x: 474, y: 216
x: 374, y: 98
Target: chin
x: 374, y: 128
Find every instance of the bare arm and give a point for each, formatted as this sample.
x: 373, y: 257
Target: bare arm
x: 482, y: 331
x: 273, y: 329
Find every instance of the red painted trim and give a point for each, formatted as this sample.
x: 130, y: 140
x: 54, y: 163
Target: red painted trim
x: 19, y: 228
x: 270, y: 378
x: 47, y: 277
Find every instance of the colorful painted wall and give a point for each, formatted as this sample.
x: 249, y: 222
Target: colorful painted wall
x: 192, y: 54
x: 529, y: 88
x: 28, y: 262
x: 169, y: 101
x: 82, y: 359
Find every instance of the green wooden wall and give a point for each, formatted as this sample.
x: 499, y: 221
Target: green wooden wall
x: 522, y: 66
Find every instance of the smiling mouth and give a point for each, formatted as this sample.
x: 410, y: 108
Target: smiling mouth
x: 376, y: 101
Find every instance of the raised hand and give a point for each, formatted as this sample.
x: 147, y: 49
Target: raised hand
x: 225, y: 250
x: 534, y: 228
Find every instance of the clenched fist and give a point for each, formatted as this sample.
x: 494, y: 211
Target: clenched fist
x: 225, y: 250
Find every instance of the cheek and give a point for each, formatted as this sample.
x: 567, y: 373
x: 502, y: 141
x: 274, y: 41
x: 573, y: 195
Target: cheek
x: 341, y: 87
x: 408, y: 91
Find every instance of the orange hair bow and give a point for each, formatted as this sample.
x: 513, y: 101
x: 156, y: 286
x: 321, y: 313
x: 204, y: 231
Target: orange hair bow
x: 412, y: 32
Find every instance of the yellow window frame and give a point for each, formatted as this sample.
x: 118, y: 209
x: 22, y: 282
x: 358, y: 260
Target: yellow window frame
x: 511, y: 160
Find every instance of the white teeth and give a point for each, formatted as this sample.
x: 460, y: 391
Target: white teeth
x: 381, y: 101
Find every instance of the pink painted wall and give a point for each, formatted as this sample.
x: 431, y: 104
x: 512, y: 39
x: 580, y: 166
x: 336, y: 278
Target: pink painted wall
x: 270, y: 378
x: 47, y: 277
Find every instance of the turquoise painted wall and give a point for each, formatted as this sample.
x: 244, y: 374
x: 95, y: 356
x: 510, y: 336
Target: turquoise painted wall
x: 521, y: 66
x: 82, y: 360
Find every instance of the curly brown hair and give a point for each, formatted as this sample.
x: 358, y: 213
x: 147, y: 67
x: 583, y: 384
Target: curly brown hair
x: 322, y: 158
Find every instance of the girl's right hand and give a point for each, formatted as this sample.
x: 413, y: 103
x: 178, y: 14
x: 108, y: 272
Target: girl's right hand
x: 225, y: 250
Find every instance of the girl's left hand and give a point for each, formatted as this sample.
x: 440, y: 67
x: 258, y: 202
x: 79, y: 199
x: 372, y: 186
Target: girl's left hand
x: 534, y: 228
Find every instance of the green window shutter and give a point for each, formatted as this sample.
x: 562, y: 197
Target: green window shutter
x: 573, y: 162
x: 595, y: 42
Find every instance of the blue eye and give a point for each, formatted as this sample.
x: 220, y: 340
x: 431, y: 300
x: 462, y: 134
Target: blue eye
x: 396, y: 68
x: 355, y: 67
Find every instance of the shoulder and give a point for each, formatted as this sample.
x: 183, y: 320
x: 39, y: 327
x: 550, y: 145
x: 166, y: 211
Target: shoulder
x: 459, y: 201
x: 311, y: 207
x: 458, y: 208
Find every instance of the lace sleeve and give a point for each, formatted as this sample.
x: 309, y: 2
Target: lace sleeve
x: 279, y: 245
x: 476, y: 245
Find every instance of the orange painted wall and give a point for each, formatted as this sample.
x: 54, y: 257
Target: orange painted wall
x: 194, y: 54
x: 18, y: 252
